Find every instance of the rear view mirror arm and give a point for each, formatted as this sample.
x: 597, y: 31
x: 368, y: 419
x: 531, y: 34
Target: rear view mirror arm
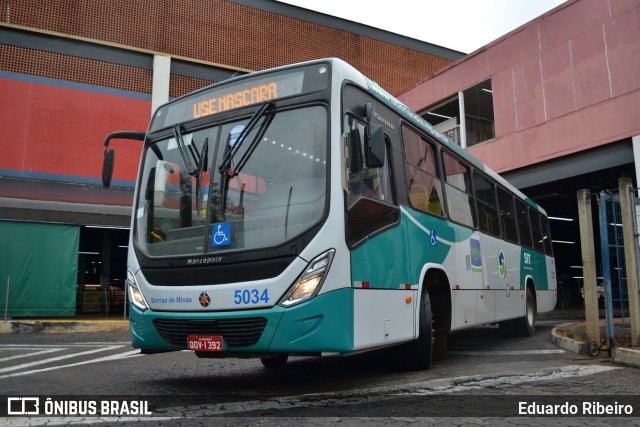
x: 109, y: 154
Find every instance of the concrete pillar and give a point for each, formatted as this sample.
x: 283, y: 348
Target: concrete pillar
x: 463, y: 120
x: 589, y: 267
x: 628, y: 209
x: 161, y: 76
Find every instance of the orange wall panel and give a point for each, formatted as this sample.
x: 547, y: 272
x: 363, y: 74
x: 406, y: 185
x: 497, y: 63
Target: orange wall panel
x: 56, y: 132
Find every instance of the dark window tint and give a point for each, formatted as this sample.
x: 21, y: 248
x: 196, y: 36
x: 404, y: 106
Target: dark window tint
x: 507, y: 216
x: 425, y: 189
x: 524, y: 228
x: 486, y: 199
x: 460, y: 204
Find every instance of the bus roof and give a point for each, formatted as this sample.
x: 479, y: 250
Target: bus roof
x: 391, y: 102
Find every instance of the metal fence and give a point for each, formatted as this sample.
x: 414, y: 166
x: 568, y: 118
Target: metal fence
x: 614, y: 274
x: 98, y: 300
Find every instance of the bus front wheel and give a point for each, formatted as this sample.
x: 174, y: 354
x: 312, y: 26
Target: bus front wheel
x: 419, y: 353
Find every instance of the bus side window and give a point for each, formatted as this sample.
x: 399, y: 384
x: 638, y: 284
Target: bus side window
x: 507, y: 216
x: 486, y: 199
x: 425, y: 189
x: 524, y: 226
x: 460, y: 205
x: 374, y: 182
x: 538, y: 236
x: 548, y: 246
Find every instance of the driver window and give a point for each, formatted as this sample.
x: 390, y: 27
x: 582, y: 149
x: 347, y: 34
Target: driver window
x: 374, y: 183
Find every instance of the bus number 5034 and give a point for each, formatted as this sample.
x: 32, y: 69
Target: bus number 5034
x: 250, y: 296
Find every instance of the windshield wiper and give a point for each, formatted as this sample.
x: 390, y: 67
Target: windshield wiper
x: 202, y: 167
x: 225, y: 165
x: 226, y: 172
x: 182, y: 149
x: 191, y: 153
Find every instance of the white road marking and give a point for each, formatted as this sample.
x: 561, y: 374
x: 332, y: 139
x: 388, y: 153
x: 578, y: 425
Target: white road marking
x: 36, y: 353
x: 56, y: 359
x: 118, y: 356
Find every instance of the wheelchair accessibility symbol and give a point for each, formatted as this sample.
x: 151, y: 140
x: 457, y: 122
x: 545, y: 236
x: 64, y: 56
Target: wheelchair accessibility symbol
x: 221, y: 234
x: 434, y: 238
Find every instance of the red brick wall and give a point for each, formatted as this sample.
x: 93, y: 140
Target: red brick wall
x: 80, y: 70
x: 53, y: 130
x: 222, y: 32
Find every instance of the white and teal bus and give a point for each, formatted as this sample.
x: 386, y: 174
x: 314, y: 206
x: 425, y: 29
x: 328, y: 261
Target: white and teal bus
x: 303, y: 210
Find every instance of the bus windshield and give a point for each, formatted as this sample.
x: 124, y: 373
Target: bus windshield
x: 193, y: 198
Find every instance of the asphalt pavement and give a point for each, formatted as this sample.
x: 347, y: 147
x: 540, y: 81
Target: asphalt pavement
x: 569, y: 336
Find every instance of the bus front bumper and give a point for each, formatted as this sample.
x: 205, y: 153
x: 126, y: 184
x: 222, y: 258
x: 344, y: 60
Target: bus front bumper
x: 322, y: 324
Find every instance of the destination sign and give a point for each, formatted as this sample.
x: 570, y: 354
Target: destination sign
x: 241, y: 93
x: 243, y: 98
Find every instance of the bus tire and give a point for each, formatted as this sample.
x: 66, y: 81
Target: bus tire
x: 274, y: 362
x: 419, y: 353
x: 526, y: 326
x: 522, y: 326
x: 439, y: 344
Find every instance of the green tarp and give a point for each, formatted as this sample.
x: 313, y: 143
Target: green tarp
x: 42, y: 263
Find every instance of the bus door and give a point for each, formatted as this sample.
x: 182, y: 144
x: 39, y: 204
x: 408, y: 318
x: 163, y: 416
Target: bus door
x: 468, y: 264
x: 500, y: 252
x: 384, y: 306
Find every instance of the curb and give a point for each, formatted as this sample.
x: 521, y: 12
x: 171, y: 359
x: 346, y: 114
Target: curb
x: 620, y: 355
x: 626, y: 356
x: 61, y: 326
x: 568, y: 343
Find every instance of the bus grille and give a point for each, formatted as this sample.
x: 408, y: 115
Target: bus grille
x: 213, y: 275
x: 236, y: 332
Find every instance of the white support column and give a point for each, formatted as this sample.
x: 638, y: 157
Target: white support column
x: 463, y: 121
x: 635, y: 141
x: 591, y: 311
x: 161, y: 75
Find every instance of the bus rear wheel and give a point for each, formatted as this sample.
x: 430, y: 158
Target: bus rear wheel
x: 523, y: 326
x: 528, y: 322
x: 419, y: 353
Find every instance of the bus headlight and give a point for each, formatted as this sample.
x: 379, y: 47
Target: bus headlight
x: 310, y: 281
x: 135, y: 296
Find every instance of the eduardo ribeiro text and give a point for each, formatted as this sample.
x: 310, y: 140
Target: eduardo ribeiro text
x: 566, y: 408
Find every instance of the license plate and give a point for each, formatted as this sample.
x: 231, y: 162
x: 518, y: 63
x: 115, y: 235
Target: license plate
x: 204, y: 343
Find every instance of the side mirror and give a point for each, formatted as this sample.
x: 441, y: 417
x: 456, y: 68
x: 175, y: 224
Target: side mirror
x: 109, y: 155
x: 107, y: 167
x: 375, y: 149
